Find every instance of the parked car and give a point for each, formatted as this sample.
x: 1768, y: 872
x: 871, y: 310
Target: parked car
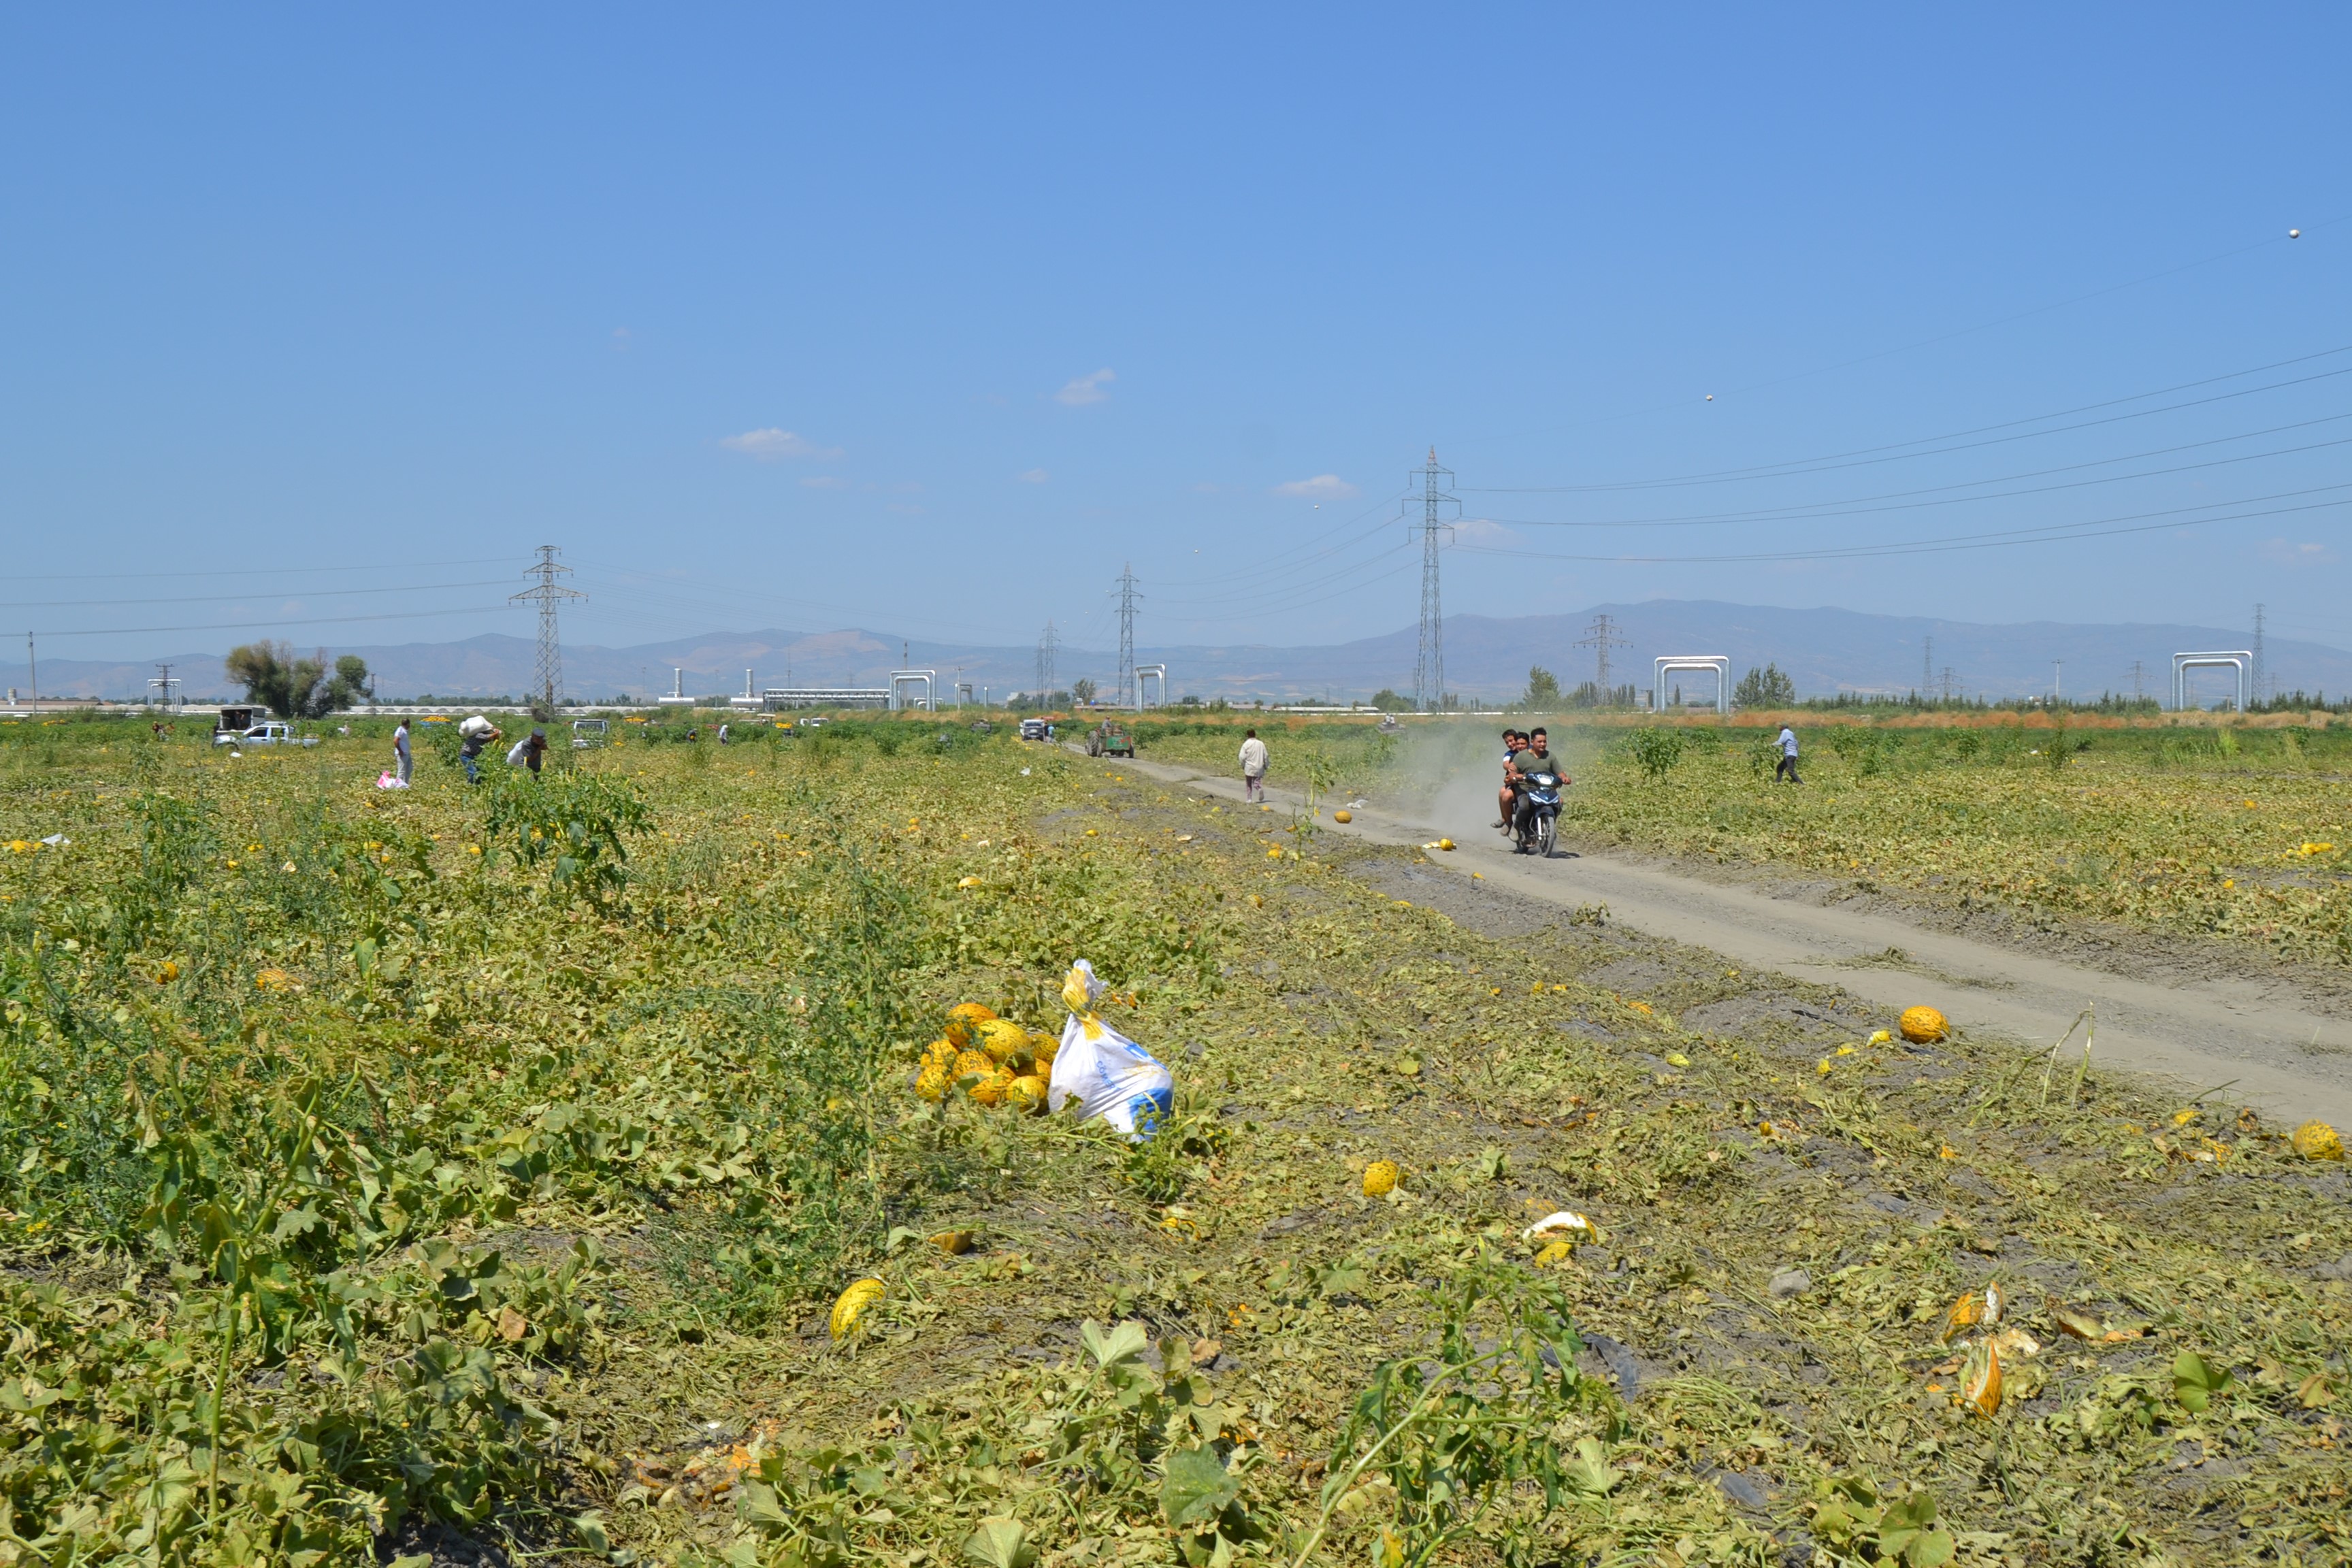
x: 1110, y: 739
x: 589, y: 734
x: 269, y: 732
x: 1032, y: 729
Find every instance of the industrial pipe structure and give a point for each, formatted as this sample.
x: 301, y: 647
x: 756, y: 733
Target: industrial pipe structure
x: 902, y: 678
x: 1144, y: 672
x: 2240, y: 659
x: 1668, y: 663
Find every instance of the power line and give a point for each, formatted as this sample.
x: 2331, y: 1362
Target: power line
x: 182, y: 598
x: 1892, y: 452
x: 275, y: 625
x: 2049, y: 533
x: 245, y: 571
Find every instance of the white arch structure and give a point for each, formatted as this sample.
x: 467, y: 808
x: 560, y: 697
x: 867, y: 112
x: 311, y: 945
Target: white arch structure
x: 900, y: 680
x: 1144, y: 672
x: 1668, y: 663
x: 2240, y: 659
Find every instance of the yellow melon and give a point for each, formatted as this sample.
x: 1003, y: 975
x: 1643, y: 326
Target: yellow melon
x: 1923, y: 1025
x: 1001, y: 1038
x: 932, y: 1083
x: 1343, y: 816
x: 940, y: 1054
x: 965, y: 1018
x: 991, y: 1089
x: 1044, y: 1047
x: 1026, y: 1093
x: 851, y: 1304
x: 1380, y: 1178
x: 2318, y: 1140
x: 973, y: 1064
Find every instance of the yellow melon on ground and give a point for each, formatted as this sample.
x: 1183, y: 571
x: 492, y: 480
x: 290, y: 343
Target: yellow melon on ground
x: 1026, y: 1093
x: 2318, y: 1140
x: 851, y: 1305
x: 1343, y: 816
x: 991, y: 1089
x: 1001, y: 1038
x: 940, y: 1054
x: 932, y: 1083
x: 973, y: 1064
x: 1044, y: 1047
x: 965, y: 1018
x: 1923, y: 1025
x: 1380, y: 1178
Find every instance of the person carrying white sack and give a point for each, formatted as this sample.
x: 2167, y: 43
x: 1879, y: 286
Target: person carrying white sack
x: 1108, y: 1074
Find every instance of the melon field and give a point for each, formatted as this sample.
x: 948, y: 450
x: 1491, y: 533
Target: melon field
x: 470, y: 1176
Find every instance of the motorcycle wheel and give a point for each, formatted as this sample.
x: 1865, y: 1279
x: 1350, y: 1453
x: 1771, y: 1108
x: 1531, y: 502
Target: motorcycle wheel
x: 1546, y: 835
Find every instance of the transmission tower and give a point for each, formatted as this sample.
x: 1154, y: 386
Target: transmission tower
x: 167, y: 686
x: 1046, y: 646
x: 2259, y: 693
x: 1927, y: 668
x: 2140, y: 679
x: 549, y: 593
x: 1429, y: 667
x: 1128, y: 694
x: 1600, y: 639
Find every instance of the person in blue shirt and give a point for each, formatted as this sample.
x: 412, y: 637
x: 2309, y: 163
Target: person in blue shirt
x: 1787, y: 766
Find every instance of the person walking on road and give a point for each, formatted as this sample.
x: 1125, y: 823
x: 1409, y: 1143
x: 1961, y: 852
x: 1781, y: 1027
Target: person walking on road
x: 1253, y: 767
x: 1787, y: 766
x: 403, y: 763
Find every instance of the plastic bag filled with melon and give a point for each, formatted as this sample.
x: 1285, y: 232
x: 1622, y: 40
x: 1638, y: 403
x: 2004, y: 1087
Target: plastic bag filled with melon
x: 1108, y: 1074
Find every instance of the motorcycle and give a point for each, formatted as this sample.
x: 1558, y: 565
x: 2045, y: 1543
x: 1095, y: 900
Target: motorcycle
x: 1538, y: 814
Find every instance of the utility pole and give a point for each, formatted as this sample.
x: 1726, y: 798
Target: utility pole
x: 547, y: 595
x: 1128, y: 695
x: 2259, y: 669
x: 165, y: 686
x: 2139, y: 681
x: 1928, y: 668
x: 1949, y: 685
x: 1046, y: 646
x: 1600, y: 639
x: 2056, y: 667
x: 1429, y: 666
x: 33, y: 672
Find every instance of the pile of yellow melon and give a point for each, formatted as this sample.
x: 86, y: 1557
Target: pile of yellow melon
x: 1006, y: 1064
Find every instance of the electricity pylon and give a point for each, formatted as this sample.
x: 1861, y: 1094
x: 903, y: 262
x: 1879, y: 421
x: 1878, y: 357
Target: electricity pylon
x: 1429, y: 664
x: 548, y: 679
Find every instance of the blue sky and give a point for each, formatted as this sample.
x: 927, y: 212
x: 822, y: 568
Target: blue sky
x: 929, y: 319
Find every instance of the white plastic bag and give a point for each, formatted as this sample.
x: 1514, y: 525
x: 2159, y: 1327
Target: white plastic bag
x: 1108, y: 1074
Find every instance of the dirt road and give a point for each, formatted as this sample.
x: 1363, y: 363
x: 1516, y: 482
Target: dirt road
x: 2250, y: 1043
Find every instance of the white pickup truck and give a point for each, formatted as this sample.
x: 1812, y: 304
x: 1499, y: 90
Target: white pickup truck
x: 269, y: 732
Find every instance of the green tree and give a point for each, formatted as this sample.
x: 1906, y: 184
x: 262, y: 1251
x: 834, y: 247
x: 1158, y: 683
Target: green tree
x: 1543, y: 690
x: 1083, y: 690
x: 1389, y: 701
x: 295, y: 688
x: 1765, y: 687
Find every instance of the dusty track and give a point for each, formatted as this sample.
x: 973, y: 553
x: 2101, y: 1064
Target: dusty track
x: 2248, y: 1042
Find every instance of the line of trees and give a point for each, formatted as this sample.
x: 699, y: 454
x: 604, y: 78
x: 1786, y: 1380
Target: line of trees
x: 295, y: 688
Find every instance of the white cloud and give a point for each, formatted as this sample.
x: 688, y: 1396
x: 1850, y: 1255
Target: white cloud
x: 1086, y: 389
x: 826, y: 482
x: 769, y: 445
x: 1481, y: 531
x: 1032, y: 477
x: 1322, y: 486
x: 2288, y: 553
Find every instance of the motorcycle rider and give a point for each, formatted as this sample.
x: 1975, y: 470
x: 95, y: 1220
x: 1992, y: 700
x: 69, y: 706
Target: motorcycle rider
x: 1535, y: 759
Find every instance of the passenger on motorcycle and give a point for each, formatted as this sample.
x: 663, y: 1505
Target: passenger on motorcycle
x: 1507, y: 796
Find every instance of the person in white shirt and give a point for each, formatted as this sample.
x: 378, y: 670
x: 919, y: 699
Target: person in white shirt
x: 401, y: 761
x: 1787, y: 766
x: 1253, y: 767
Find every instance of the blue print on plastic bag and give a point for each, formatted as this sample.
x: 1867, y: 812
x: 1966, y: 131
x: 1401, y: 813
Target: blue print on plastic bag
x: 1147, y: 1111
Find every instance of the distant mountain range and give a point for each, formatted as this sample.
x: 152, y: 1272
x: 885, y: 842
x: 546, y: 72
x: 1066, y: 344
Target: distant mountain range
x: 1824, y: 651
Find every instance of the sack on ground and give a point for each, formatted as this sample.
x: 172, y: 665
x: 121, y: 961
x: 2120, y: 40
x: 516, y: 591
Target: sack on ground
x: 1108, y: 1074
